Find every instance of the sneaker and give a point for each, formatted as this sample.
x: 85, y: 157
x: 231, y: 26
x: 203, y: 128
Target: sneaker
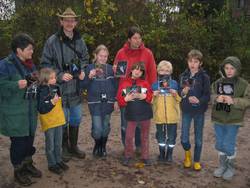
x: 63, y: 166
x: 147, y: 162
x: 55, y: 169
x: 126, y: 161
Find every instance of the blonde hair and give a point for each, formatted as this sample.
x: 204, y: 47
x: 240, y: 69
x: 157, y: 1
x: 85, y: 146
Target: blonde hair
x: 44, y: 75
x: 166, y: 64
x: 98, y: 49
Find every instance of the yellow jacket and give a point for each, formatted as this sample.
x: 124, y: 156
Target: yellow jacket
x: 166, y: 109
x: 54, y: 118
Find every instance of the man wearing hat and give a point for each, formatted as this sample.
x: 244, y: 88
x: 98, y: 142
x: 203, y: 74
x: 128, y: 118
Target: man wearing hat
x: 66, y: 52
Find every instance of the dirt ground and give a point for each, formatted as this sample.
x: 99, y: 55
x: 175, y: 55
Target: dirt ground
x: 109, y: 173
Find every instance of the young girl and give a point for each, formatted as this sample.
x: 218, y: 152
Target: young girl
x: 231, y: 97
x: 166, y: 108
x: 135, y: 95
x: 101, y: 87
x: 52, y: 119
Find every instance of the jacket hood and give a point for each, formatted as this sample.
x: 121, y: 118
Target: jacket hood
x: 234, y: 61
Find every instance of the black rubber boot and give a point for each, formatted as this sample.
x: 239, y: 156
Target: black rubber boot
x: 103, y: 146
x: 161, y: 156
x: 21, y: 176
x: 73, y: 138
x: 96, y: 149
x: 169, y: 156
x: 66, y: 156
x: 29, y: 168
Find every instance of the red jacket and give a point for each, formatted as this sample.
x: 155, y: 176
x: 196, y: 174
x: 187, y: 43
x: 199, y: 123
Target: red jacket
x: 136, y: 110
x: 132, y: 56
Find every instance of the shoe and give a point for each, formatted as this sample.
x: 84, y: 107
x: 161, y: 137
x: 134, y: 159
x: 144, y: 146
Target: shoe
x: 126, y: 161
x: 21, y: 177
x: 197, y: 166
x: 30, y: 169
x: 55, y: 169
x: 147, y: 162
x: 222, y: 165
x: 63, y: 166
x: 187, y: 161
x: 73, y: 138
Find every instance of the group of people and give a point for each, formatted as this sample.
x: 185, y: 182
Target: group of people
x: 134, y: 85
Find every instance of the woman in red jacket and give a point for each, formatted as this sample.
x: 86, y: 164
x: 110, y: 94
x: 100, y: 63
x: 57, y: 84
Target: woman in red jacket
x: 135, y: 95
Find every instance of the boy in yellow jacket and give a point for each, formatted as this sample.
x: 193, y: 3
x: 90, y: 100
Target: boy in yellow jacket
x: 166, y: 108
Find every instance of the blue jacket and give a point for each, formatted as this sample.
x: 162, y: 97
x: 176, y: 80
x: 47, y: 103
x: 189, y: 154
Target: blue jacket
x: 101, y: 92
x: 200, y: 88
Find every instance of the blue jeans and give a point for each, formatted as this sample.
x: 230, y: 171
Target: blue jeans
x: 100, y: 126
x: 124, y: 127
x: 198, y: 133
x: 73, y: 115
x: 166, y: 134
x: 53, y: 145
x: 226, y: 138
x: 20, y: 148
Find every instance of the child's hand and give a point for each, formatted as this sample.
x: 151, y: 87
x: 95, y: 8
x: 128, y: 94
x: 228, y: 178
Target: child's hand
x: 92, y: 73
x: 228, y: 99
x: 185, y: 90
x: 156, y: 93
x: 116, y: 106
x: 173, y: 92
x: 193, y: 100
x: 81, y: 76
x: 129, y: 97
x: 141, y: 96
x: 220, y: 99
x: 55, y: 99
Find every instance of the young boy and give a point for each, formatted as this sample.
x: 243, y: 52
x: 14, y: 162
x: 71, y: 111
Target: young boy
x: 166, y: 108
x: 231, y: 97
x: 195, y: 92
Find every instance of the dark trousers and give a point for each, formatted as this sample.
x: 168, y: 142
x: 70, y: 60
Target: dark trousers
x: 20, y: 148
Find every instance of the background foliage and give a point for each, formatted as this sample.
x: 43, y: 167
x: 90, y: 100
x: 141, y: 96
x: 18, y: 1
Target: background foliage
x: 205, y: 25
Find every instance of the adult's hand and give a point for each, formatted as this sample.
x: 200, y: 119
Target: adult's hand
x: 22, y: 84
x: 67, y: 77
x: 81, y: 76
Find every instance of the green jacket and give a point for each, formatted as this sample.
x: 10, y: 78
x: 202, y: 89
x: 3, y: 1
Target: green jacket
x: 241, y: 96
x: 18, y: 116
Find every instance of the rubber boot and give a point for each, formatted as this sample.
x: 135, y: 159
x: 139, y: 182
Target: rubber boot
x: 197, y: 166
x: 66, y: 156
x: 169, y: 156
x: 73, y: 138
x: 21, y: 176
x: 188, y: 160
x: 229, y: 172
x: 103, y: 146
x: 161, y: 156
x: 96, y: 149
x: 29, y: 168
x: 222, y: 165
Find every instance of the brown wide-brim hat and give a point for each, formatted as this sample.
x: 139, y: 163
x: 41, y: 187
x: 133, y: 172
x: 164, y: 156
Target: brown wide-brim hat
x: 68, y: 13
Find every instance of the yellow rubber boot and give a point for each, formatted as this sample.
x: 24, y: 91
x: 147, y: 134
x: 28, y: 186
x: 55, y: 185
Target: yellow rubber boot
x: 187, y: 161
x: 197, y: 166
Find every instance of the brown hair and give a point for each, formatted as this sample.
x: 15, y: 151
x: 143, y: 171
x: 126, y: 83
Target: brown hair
x: 44, y: 75
x: 139, y: 66
x: 195, y: 54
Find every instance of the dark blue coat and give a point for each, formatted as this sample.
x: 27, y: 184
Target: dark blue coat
x: 200, y: 88
x: 101, y: 92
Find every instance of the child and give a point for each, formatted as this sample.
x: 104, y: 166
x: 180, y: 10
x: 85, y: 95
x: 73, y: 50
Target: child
x: 195, y: 92
x: 135, y: 95
x: 166, y: 108
x: 102, y: 89
x: 231, y: 96
x: 52, y: 119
